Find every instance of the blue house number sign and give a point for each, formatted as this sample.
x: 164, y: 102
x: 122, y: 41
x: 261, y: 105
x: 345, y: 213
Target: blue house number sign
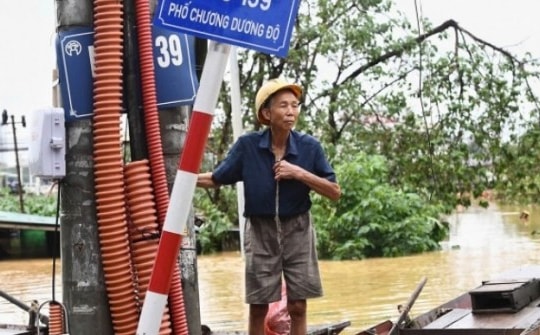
x: 174, y: 66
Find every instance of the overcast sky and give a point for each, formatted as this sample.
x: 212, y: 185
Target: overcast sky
x: 27, y: 38
x: 27, y: 57
x: 512, y: 24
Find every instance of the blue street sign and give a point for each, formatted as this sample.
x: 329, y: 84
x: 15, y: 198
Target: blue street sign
x: 174, y: 67
x: 263, y: 25
x: 74, y: 52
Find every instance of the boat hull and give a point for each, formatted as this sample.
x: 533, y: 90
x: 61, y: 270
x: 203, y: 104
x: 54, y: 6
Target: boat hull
x: 508, y: 304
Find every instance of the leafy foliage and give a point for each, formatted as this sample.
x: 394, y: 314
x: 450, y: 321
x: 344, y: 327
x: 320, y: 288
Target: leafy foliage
x: 216, y: 223
x: 33, y: 204
x: 374, y: 219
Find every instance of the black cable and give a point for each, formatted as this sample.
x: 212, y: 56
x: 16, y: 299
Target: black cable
x: 55, y: 239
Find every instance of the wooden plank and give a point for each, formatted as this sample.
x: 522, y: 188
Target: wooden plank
x: 448, y: 319
x: 382, y: 328
x: 499, y: 286
x: 330, y: 329
x: 463, y: 301
x: 519, y: 320
x: 324, y: 329
x: 529, y: 320
x: 10, y: 329
x: 459, y: 332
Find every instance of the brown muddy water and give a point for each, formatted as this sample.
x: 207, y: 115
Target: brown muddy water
x: 482, y: 243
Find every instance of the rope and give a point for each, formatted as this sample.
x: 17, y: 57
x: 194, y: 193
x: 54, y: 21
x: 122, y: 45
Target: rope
x: 276, y: 218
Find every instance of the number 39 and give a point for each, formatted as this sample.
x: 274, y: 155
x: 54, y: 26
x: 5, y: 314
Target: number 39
x: 264, y: 4
x: 170, y: 51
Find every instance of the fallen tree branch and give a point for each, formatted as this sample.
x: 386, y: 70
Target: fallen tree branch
x: 420, y: 39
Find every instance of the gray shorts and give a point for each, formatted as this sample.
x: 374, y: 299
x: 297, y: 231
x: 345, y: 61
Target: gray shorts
x: 267, y: 259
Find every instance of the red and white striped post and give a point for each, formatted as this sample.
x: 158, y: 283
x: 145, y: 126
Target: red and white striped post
x: 183, y: 188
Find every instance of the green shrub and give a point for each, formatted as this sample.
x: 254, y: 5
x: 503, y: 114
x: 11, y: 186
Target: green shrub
x: 216, y: 223
x: 373, y: 218
x: 44, y: 205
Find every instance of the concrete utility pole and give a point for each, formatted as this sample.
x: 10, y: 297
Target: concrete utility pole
x: 84, y: 291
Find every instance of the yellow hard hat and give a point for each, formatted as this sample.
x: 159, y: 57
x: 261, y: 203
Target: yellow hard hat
x: 270, y: 87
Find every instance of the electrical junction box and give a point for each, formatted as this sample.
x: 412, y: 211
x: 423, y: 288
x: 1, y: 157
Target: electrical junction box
x: 47, y: 147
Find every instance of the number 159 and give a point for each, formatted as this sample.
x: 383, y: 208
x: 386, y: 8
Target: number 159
x: 263, y: 4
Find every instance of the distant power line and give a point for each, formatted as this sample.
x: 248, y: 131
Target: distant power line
x: 13, y: 149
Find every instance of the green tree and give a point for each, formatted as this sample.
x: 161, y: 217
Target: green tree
x: 452, y: 114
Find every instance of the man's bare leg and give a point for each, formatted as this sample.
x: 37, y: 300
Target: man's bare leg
x: 257, y: 313
x: 297, y: 310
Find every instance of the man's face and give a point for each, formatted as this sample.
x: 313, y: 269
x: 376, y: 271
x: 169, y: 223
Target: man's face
x: 283, y: 110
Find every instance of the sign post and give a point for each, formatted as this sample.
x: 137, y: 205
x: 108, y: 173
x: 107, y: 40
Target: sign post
x: 264, y: 25
x: 183, y: 189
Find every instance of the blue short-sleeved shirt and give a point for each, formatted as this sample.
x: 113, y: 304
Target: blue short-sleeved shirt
x: 251, y: 160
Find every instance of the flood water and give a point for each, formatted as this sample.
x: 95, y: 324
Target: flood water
x: 482, y: 244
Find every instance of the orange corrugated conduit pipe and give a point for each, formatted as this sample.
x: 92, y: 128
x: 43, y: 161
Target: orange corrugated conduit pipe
x: 151, y: 120
x: 56, y: 319
x: 108, y: 167
x: 155, y: 151
x: 143, y: 229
